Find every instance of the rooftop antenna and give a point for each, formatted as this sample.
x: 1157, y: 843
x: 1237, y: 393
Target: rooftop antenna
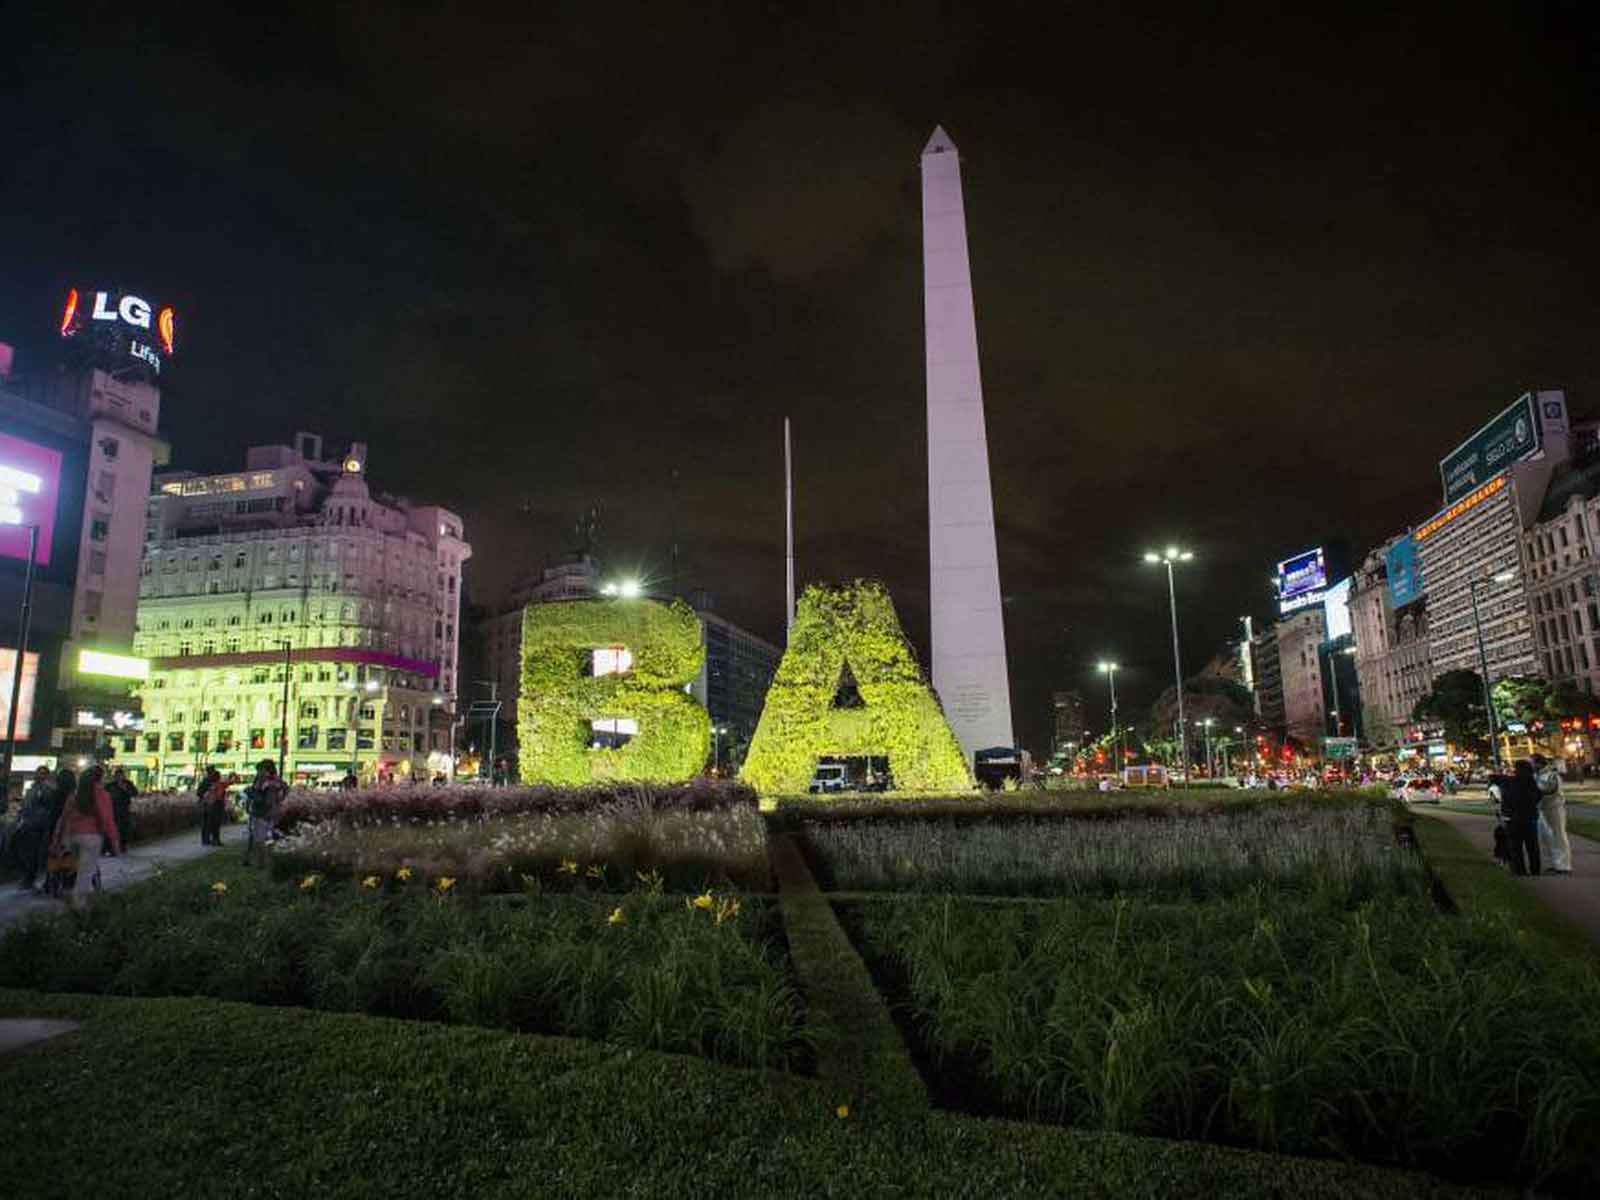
x: 788, y: 521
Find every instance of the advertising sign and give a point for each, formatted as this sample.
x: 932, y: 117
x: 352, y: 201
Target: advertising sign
x: 1336, y: 610
x: 1405, y: 572
x: 119, y: 326
x: 29, y: 478
x: 1301, y: 580
x: 1510, y: 437
x: 30, y: 677
x: 1340, y: 747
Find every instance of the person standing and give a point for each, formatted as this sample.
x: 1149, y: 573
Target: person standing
x: 212, y: 800
x: 262, y: 799
x: 1553, y: 807
x: 30, y: 835
x: 84, y: 822
x: 122, y: 792
x: 1519, y: 801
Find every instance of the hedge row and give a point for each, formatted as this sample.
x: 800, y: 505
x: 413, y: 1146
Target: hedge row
x: 273, y: 1102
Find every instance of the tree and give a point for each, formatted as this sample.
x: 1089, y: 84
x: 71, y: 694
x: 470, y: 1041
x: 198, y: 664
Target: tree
x: 1456, y: 703
x: 1521, y: 698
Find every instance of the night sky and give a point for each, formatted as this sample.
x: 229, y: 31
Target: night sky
x: 1242, y: 275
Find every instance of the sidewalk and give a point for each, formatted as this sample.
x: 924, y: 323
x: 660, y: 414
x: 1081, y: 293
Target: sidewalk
x: 1575, y: 896
x: 140, y: 862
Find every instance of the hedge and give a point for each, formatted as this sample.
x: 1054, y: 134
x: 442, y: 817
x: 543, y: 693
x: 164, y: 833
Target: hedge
x: 274, y: 1102
x: 559, y: 699
x: 900, y: 717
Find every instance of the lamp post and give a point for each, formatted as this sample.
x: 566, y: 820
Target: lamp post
x: 283, y: 723
x: 23, y: 618
x: 1173, y: 554
x: 716, y: 748
x: 1109, y: 670
x: 1483, y: 658
x: 1205, y: 727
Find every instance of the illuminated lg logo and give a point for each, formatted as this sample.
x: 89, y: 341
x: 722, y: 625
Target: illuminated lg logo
x: 126, y: 310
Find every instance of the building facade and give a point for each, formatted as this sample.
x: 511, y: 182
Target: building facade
x: 1392, y: 660
x: 733, y: 681
x: 286, y: 603
x: 1562, y: 552
x: 1300, y: 639
x: 1267, y: 671
x: 78, y: 446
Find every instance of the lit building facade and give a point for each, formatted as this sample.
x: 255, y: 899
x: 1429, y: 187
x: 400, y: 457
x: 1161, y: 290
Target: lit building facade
x: 733, y: 681
x: 1392, y: 659
x: 1562, y: 552
x: 1300, y: 639
x: 78, y: 445
x: 286, y: 601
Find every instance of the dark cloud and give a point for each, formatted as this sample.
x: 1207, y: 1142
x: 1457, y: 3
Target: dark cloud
x: 1242, y: 274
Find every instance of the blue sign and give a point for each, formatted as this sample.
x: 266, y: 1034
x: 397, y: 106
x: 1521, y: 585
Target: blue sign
x: 1405, y: 572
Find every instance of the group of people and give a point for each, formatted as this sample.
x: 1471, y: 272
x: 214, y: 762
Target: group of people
x: 1534, y: 810
x: 262, y: 799
x: 65, y: 814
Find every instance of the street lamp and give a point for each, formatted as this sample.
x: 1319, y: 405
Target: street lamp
x: 1205, y: 726
x: 1333, y: 682
x: 716, y: 748
x: 1483, y: 658
x: 10, y: 515
x: 626, y: 589
x: 1109, y: 670
x: 1174, y: 554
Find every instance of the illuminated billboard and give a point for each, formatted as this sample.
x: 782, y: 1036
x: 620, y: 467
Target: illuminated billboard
x: 1336, y: 610
x: 1302, y: 580
x: 30, y: 677
x: 115, y: 327
x: 1404, y: 571
x: 30, y: 476
x: 1513, y: 435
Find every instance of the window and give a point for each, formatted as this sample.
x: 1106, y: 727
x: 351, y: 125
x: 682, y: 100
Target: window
x: 97, y: 562
x: 224, y: 741
x: 363, y: 739
x: 203, y: 717
x: 336, y: 739
x: 308, y: 711
x: 109, y: 447
x: 368, y: 712
x: 308, y: 737
x: 100, y: 530
x: 202, y: 741
x: 175, y: 741
x: 239, y: 559
x: 152, y: 742
x: 91, y: 605
x: 258, y: 739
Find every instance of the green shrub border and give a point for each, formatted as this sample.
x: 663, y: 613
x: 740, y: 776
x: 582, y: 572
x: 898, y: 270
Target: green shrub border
x: 859, y: 1049
x: 276, y: 1102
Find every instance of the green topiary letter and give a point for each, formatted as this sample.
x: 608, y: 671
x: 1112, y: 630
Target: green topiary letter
x: 899, y: 716
x: 561, y: 696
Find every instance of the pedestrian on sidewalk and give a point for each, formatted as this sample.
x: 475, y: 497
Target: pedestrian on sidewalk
x: 1553, y: 807
x: 1519, y: 801
x: 84, y: 822
x: 32, y: 828
x: 212, y: 800
x: 262, y: 799
x: 122, y: 792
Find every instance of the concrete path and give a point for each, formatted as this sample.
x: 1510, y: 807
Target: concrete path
x: 140, y: 862
x: 25, y: 1031
x: 1575, y: 896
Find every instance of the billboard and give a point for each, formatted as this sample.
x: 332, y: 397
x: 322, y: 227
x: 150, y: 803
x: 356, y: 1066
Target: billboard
x: 1513, y: 435
x: 1404, y: 571
x: 30, y: 479
x: 30, y: 678
x: 1301, y: 580
x: 1336, y: 610
x: 115, y: 327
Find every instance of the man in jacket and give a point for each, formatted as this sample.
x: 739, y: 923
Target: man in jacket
x: 30, y: 838
x: 1519, y: 802
x: 1553, y: 806
x: 122, y: 791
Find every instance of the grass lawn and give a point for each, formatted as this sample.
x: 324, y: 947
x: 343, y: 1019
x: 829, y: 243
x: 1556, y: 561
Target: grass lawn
x: 188, y: 1097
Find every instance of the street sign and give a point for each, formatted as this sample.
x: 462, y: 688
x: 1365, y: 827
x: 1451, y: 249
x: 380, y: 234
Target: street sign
x: 1339, y: 747
x: 1510, y: 437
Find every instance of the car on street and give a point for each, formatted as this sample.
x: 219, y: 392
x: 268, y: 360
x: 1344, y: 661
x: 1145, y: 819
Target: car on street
x: 1415, y: 789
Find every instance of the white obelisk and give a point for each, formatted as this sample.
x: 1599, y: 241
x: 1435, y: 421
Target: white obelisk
x: 969, y: 637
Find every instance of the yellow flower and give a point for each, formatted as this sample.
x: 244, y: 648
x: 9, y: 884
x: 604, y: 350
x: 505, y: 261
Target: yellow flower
x: 403, y: 874
x: 219, y: 888
x: 567, y: 867
x: 842, y: 1111
x: 371, y: 881
x: 444, y: 883
x: 595, y: 870
x: 727, y: 909
x: 617, y: 917
x: 704, y: 901
x: 309, y: 882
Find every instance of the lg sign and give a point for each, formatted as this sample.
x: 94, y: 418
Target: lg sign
x: 122, y: 325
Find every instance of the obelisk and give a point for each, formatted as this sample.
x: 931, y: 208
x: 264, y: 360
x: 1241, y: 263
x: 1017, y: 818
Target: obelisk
x: 969, y: 637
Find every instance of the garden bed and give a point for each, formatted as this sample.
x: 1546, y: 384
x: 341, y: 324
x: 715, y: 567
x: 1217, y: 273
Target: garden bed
x: 1347, y: 845
x: 610, y: 846
x: 1384, y: 1032
x: 705, y: 975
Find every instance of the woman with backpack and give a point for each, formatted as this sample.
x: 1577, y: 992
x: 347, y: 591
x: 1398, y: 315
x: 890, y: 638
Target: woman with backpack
x: 85, y: 820
x: 213, y: 798
x: 261, y: 805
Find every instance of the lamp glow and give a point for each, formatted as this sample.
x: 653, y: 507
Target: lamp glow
x: 116, y: 666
